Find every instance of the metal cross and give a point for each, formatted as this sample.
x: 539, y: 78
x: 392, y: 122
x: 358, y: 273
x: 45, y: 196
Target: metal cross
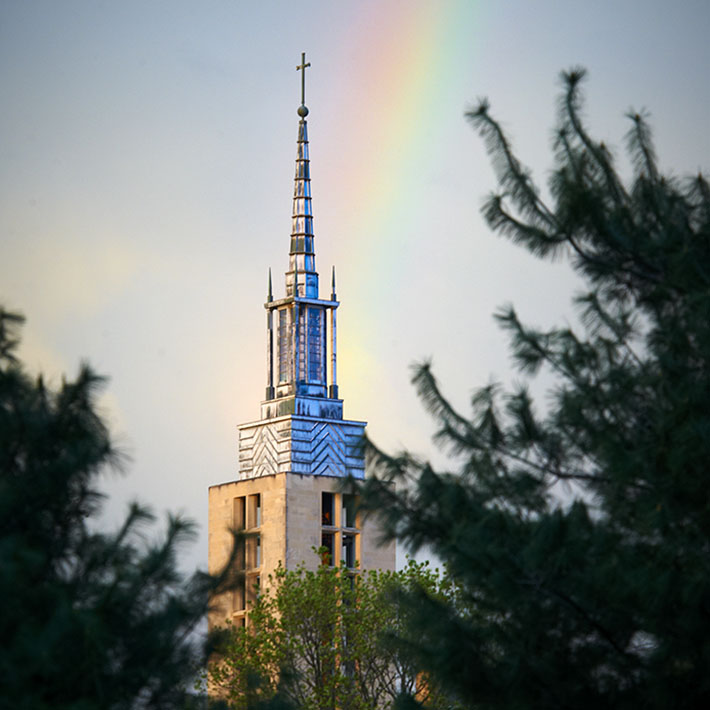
x: 302, y: 67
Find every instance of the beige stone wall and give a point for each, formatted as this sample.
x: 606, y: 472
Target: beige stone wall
x: 273, y: 512
x: 289, y: 529
x: 304, y: 526
x: 222, y: 518
x: 375, y: 555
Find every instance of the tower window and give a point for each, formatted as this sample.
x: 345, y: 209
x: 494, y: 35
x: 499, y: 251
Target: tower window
x: 254, y: 512
x: 253, y: 587
x: 239, y: 514
x: 302, y: 336
x: 240, y: 560
x: 348, y: 515
x: 327, y: 542
x: 315, y: 345
x: 253, y: 552
x: 240, y: 596
x: 284, y: 349
x: 348, y: 551
x: 327, y: 509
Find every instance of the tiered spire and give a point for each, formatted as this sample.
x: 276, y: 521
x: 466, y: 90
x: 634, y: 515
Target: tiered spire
x: 301, y: 328
x: 302, y: 279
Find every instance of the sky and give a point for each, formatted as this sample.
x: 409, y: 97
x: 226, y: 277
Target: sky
x: 147, y: 153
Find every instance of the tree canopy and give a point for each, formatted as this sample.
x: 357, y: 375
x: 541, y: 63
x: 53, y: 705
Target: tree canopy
x: 599, y: 597
x: 89, y: 619
x: 321, y: 639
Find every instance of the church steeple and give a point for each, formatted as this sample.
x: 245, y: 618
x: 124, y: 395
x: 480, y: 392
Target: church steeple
x: 302, y: 327
x: 287, y: 494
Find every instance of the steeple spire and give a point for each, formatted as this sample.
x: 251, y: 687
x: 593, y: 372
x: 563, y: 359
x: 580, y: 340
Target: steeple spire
x: 302, y: 253
x: 301, y: 328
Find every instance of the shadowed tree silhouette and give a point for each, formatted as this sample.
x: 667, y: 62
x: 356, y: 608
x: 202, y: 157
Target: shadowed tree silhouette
x: 600, y: 597
x: 88, y: 619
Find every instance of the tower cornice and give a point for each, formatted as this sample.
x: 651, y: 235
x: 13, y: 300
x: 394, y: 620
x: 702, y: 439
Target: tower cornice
x: 271, y: 305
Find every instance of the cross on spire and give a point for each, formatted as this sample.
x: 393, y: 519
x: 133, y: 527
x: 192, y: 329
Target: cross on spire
x: 302, y: 68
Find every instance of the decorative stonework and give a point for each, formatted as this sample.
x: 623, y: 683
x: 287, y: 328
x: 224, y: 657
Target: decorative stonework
x: 304, y: 445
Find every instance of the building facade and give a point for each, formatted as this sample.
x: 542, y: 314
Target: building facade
x: 293, y: 459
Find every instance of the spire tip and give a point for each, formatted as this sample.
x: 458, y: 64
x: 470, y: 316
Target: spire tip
x: 302, y: 109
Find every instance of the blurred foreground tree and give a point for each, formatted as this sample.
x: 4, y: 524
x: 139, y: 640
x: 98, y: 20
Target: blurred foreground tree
x: 320, y: 640
x: 599, y: 597
x: 88, y: 619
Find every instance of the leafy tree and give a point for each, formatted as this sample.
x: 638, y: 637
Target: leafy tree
x: 599, y: 597
x: 320, y: 639
x: 88, y: 619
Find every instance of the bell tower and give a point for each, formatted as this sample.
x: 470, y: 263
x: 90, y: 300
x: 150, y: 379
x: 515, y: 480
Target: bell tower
x: 292, y: 460
x: 301, y: 429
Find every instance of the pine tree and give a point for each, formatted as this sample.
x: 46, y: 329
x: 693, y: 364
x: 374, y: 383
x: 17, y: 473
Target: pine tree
x: 88, y: 619
x: 599, y: 597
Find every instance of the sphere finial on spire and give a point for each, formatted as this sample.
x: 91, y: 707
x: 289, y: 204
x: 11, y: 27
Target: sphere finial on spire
x: 303, y: 109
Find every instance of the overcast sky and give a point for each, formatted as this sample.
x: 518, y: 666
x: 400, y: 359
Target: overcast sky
x: 147, y: 153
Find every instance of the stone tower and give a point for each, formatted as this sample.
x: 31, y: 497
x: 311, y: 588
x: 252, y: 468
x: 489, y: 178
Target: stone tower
x: 292, y: 460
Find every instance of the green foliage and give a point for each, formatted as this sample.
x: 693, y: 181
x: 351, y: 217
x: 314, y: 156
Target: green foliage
x: 578, y: 536
x: 323, y: 639
x: 88, y: 619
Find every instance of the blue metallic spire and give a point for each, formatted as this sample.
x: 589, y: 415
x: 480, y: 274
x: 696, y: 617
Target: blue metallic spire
x: 302, y: 254
x: 301, y: 328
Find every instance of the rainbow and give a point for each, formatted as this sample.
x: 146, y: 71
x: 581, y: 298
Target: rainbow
x: 412, y: 50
